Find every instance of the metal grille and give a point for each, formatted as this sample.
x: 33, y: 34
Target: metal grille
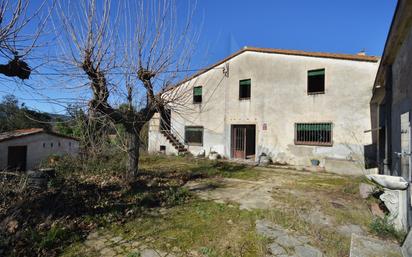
x: 313, y: 134
x: 239, y: 142
x: 194, y: 135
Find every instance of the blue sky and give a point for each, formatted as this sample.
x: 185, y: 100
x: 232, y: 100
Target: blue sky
x: 227, y: 25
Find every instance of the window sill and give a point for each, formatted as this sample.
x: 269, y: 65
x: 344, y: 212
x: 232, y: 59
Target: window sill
x: 245, y: 98
x: 194, y: 144
x: 316, y: 93
x: 314, y: 144
x: 197, y: 102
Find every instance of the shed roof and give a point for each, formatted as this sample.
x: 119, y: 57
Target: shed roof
x: 9, y: 135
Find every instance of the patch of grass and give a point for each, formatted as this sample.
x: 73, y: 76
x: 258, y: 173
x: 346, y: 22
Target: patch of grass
x: 382, y: 227
x: 210, y: 228
x: 327, y: 239
x: 52, y: 238
x: 134, y: 254
x: 176, y: 196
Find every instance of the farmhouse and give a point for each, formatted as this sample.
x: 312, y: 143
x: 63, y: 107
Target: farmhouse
x: 299, y: 108
x: 26, y: 148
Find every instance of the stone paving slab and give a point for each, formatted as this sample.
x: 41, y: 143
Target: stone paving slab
x: 362, y: 246
x: 283, y: 243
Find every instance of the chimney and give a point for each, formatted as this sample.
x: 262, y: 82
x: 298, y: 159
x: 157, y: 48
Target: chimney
x: 362, y: 52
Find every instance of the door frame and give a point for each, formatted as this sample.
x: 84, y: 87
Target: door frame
x: 22, y: 148
x: 244, y: 140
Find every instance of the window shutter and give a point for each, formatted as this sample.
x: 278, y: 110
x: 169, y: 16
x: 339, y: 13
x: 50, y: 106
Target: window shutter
x: 245, y: 82
x: 197, y: 91
x: 316, y: 72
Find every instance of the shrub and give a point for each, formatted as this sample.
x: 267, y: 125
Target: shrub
x: 176, y: 196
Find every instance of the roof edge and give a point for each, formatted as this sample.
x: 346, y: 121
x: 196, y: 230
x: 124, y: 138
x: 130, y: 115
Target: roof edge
x: 349, y: 57
x: 39, y: 131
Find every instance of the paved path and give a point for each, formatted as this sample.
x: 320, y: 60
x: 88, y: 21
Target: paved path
x: 283, y: 243
x: 107, y: 245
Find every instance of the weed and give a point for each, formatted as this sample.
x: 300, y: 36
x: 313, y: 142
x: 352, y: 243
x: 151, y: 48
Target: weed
x: 134, y: 254
x: 383, y: 227
x: 176, y: 196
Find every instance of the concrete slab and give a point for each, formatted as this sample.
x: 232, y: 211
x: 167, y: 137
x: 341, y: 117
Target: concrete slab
x: 362, y: 246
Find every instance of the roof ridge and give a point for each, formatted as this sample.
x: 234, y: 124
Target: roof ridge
x: 350, y: 57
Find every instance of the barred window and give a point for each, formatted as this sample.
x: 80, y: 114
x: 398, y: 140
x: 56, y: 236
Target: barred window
x: 194, y: 135
x: 313, y: 134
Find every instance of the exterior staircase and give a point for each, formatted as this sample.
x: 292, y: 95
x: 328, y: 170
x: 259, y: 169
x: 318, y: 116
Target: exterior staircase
x: 173, y: 140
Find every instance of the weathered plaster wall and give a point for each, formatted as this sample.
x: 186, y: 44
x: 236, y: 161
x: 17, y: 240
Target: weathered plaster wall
x: 35, y: 150
x: 279, y: 98
x: 402, y: 98
x: 402, y: 105
x: 156, y: 139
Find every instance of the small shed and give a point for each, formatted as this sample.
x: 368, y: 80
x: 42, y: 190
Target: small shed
x: 25, y: 149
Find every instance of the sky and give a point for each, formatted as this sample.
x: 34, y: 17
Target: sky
x: 225, y: 26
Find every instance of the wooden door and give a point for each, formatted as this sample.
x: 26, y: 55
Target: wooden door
x: 238, y: 142
x: 17, y: 156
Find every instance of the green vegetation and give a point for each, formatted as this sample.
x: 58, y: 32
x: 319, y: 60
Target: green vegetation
x: 210, y: 228
x: 17, y: 116
x: 160, y: 213
x: 384, y: 228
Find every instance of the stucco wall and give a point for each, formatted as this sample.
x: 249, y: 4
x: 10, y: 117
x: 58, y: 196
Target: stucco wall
x: 402, y: 105
x: 35, y: 150
x: 279, y: 98
x: 402, y: 98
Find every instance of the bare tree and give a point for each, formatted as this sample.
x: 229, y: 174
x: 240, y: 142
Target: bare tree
x: 131, y: 52
x: 17, y: 40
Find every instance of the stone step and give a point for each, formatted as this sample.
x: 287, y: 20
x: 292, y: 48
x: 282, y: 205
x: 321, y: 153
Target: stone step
x: 363, y: 246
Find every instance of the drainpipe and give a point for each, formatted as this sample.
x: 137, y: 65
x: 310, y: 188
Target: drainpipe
x: 387, y: 163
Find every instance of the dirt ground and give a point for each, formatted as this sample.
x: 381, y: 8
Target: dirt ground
x: 290, y: 213
x: 182, y: 206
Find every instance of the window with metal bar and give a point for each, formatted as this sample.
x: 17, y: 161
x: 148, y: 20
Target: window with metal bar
x: 197, y: 95
x: 244, y: 89
x: 316, y: 81
x: 313, y: 134
x: 194, y: 135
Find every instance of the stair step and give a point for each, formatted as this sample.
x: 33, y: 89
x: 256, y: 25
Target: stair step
x: 174, y: 141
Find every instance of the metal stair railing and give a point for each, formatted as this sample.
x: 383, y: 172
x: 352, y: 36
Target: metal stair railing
x: 174, y: 136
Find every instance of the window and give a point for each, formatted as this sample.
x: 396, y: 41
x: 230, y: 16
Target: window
x: 51, y: 145
x: 194, y: 135
x: 244, y: 89
x: 197, y: 95
x: 316, y: 81
x: 70, y: 144
x: 313, y: 134
x: 44, y: 145
x: 59, y: 144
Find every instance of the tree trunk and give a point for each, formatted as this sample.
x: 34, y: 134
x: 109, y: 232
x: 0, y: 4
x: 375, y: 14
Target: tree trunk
x: 133, y: 144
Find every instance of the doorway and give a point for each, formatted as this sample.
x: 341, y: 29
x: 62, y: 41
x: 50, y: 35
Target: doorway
x: 17, y: 158
x: 243, y: 143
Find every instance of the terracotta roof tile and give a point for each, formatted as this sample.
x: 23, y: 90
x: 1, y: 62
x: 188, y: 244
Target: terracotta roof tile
x: 26, y: 132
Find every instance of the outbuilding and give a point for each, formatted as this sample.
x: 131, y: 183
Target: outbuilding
x: 26, y: 148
